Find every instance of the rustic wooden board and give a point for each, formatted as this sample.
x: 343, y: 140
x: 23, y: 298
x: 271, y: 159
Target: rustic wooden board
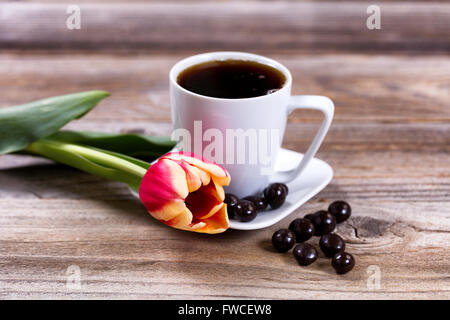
x: 366, y: 88
x: 389, y: 146
x: 53, y: 217
x: 249, y: 26
x: 124, y: 254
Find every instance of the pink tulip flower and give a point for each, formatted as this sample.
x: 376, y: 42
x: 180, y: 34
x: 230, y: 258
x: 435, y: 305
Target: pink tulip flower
x: 185, y: 191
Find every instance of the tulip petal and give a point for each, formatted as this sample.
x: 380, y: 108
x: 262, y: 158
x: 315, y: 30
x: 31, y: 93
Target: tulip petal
x: 193, y: 179
x: 163, y: 182
x: 220, y: 193
x: 217, y: 223
x: 214, y: 169
x: 172, y: 209
x: 183, y: 219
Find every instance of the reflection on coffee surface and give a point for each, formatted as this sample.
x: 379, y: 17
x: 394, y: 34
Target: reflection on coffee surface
x: 231, y: 79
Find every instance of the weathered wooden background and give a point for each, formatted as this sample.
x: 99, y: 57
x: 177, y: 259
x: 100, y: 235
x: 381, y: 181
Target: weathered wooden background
x: 389, y: 146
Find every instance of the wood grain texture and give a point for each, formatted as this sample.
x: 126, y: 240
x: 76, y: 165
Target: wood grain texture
x: 123, y: 253
x: 366, y: 88
x: 248, y: 26
x: 389, y: 147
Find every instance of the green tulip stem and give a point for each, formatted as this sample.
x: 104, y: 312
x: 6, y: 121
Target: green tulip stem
x: 91, y: 160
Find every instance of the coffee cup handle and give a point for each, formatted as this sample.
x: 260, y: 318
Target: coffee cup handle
x: 326, y: 106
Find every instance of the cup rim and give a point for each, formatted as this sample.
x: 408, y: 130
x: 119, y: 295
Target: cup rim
x: 223, y: 55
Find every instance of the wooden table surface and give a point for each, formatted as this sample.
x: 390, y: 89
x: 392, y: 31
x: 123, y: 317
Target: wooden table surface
x: 389, y: 146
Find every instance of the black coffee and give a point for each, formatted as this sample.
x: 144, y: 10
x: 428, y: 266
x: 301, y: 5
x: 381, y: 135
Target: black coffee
x: 231, y: 79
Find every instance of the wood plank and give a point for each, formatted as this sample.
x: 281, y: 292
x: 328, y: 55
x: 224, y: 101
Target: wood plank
x: 122, y: 253
x: 389, y: 147
x: 395, y: 176
x: 247, y: 26
x: 365, y: 88
x: 384, y: 162
x: 45, y: 231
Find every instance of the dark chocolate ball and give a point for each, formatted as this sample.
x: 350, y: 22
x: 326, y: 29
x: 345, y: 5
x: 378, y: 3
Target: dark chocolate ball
x: 259, y: 202
x: 285, y: 188
x: 341, y: 210
x: 275, y: 194
x: 302, y: 228
x: 231, y: 200
x: 283, y: 240
x: 245, y: 210
x: 324, y: 222
x: 343, y: 262
x: 330, y: 244
x: 305, y: 254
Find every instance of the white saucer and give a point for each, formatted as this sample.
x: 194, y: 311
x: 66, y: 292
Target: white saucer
x: 314, y: 178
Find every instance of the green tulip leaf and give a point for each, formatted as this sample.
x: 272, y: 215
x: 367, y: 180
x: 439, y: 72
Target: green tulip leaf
x: 133, y: 145
x: 24, y: 124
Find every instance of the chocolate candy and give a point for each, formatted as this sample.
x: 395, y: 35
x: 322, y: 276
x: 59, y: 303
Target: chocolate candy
x: 305, y: 254
x: 341, y: 210
x: 320, y: 223
x: 331, y: 244
x: 245, y: 210
x: 283, y: 240
x: 259, y: 202
x: 231, y: 200
x: 302, y: 228
x: 323, y: 222
x: 285, y: 187
x: 275, y: 194
x: 343, y: 262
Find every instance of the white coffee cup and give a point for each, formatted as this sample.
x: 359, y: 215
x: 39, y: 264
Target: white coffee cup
x: 205, y: 118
